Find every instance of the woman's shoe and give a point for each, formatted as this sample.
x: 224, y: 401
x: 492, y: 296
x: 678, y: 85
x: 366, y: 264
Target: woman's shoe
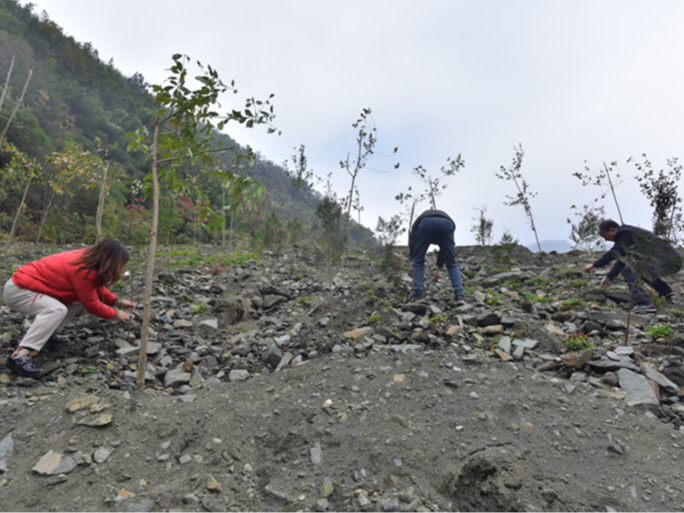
x: 24, y: 366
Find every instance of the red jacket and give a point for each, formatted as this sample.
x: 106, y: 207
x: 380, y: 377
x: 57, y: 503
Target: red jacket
x: 57, y: 276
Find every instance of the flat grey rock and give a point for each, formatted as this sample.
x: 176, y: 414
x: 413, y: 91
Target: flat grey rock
x: 659, y: 378
x: 637, y: 389
x: 6, y: 449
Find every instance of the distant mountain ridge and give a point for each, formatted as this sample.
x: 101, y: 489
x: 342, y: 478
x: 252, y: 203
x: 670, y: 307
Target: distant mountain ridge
x: 559, y: 245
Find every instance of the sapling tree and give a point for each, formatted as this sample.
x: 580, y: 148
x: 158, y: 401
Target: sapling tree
x: 366, y: 141
x: 329, y: 212
x: 20, y: 165
x: 662, y: 191
x: 436, y: 184
x: 365, y: 145
x: 607, y: 175
x: 302, y: 178
x: 17, y: 104
x: 482, y: 227
x: 513, y: 173
x: 584, y: 233
x: 388, y: 232
x: 182, y: 130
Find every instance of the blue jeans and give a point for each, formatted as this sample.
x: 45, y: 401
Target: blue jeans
x: 439, y: 231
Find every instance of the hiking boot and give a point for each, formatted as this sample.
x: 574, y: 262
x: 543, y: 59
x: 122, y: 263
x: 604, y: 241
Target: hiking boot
x: 54, y: 343
x: 415, y: 297
x: 24, y: 366
x: 644, y: 309
x: 669, y: 296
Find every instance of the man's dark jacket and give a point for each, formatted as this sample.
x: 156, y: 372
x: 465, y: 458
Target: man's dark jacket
x: 414, y: 230
x: 633, y: 243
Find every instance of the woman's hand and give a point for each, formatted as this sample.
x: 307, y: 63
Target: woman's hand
x: 126, y: 304
x: 122, y: 316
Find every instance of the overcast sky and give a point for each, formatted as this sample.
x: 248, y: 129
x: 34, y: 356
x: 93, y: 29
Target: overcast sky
x: 569, y: 80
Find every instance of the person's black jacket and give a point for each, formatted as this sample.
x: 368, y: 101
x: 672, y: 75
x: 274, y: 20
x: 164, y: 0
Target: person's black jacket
x: 636, y: 243
x: 414, y: 228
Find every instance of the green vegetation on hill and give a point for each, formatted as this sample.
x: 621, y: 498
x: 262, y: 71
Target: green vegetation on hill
x: 74, y: 104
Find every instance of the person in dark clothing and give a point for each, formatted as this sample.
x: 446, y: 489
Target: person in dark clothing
x: 434, y: 227
x: 639, y: 254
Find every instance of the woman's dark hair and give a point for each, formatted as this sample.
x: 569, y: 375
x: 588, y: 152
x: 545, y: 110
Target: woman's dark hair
x: 607, y: 225
x: 107, y: 258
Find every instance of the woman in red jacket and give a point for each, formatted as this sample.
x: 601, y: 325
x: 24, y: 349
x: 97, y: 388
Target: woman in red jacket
x: 58, y: 287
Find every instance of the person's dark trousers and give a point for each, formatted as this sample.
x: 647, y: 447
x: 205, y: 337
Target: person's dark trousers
x: 649, y: 276
x: 439, y: 231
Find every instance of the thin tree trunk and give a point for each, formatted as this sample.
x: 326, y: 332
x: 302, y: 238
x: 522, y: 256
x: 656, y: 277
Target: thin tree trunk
x: 20, y: 210
x: 223, y: 231
x: 45, y: 214
x: 4, y: 89
x: 101, y: 202
x: 612, y: 190
x: 232, y: 224
x: 16, y: 107
x: 149, y: 275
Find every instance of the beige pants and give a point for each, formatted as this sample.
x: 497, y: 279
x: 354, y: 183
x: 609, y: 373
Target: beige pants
x: 50, y: 314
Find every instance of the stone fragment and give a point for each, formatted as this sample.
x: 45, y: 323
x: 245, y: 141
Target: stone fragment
x: 416, y: 308
x: 496, y: 329
x: 273, y: 300
x: 554, y: 330
x: 359, y: 332
x: 53, y: 463
x: 176, y: 378
x: 207, y: 327
x: 505, y: 344
x: 6, y: 449
x: 99, y: 421
x: 577, y: 360
x: 182, y: 324
x: 601, y: 316
x: 328, y: 488
x: 212, y: 484
x: 624, y: 351
x: 82, y: 403
x: 660, y: 379
x: 316, y: 454
x: 141, y: 505
x: 102, y: 454
x: 238, y: 375
x: 511, y: 320
x: 527, y: 343
x: 609, y: 365
x: 637, y: 389
x: 488, y: 319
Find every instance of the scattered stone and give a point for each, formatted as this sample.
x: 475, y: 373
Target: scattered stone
x: 505, y: 344
x: 54, y: 463
x: 82, y: 403
x: 212, y: 484
x: 316, y: 454
x: 527, y: 343
x: 328, y: 488
x: 176, y: 378
x: 577, y: 360
x: 6, y: 449
x: 637, y: 389
x: 238, y: 375
x: 273, y: 300
x: 359, y: 332
x: 102, y: 454
x: 99, y: 421
x: 660, y: 379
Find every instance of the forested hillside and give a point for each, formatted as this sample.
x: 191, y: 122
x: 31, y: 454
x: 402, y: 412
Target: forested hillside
x: 76, y: 118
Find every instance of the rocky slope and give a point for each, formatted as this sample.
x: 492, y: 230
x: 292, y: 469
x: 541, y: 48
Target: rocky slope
x: 270, y: 388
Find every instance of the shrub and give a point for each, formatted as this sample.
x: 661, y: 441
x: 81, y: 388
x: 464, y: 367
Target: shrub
x: 660, y: 331
x: 577, y: 343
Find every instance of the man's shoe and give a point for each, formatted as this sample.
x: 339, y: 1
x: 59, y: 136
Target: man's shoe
x: 23, y: 366
x: 644, y: 309
x: 415, y: 297
x: 54, y: 343
x: 669, y: 296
